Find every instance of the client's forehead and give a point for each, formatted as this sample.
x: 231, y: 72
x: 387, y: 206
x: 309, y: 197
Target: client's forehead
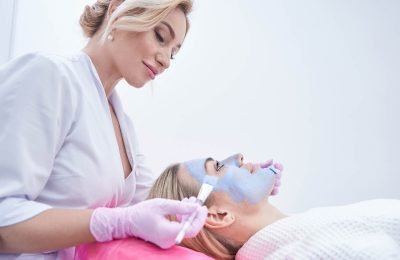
x: 188, y: 180
x: 196, y: 168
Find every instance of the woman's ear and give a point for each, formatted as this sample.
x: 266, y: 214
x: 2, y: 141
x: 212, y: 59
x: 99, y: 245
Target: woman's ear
x: 219, y: 218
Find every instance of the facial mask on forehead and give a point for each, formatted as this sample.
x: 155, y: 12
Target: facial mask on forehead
x: 240, y: 184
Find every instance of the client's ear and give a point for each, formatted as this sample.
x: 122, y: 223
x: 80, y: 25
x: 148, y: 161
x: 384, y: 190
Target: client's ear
x: 219, y: 218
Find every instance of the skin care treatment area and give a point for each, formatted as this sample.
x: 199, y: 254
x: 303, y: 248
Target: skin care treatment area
x: 214, y: 118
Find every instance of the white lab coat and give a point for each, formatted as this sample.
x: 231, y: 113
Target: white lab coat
x: 57, y: 143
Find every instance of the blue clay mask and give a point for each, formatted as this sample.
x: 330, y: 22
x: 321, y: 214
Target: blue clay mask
x: 239, y: 183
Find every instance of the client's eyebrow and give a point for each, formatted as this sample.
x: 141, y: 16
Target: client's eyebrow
x: 206, y: 161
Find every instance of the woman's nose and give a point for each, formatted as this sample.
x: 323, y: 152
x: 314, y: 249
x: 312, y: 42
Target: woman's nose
x: 164, y: 60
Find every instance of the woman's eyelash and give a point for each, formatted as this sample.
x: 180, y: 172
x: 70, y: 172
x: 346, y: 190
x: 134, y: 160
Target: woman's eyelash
x: 159, y: 37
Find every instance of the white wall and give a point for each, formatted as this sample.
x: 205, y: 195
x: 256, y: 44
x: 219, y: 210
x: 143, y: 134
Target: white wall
x: 7, y: 11
x: 312, y: 84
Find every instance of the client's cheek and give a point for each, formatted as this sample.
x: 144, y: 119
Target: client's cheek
x: 245, y: 187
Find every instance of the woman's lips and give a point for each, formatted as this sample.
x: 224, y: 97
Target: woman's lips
x: 151, y: 71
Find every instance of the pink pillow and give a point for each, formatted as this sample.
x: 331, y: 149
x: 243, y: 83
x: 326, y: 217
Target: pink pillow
x: 134, y: 248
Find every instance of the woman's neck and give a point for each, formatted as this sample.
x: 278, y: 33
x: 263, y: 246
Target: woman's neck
x: 103, y: 63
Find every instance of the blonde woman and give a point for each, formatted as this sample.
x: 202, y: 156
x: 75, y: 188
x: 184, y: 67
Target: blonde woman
x: 71, y: 169
x: 243, y: 224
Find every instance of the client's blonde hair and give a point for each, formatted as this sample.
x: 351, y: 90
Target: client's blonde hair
x: 169, y: 185
x: 130, y: 15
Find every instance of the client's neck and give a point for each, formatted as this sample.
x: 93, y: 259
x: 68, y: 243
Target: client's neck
x: 247, y: 225
x: 274, y: 214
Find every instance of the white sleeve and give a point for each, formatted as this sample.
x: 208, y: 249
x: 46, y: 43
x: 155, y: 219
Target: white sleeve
x: 33, y: 100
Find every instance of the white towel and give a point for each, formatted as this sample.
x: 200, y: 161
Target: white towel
x: 364, y: 230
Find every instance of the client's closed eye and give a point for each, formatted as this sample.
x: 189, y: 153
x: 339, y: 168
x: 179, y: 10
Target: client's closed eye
x: 218, y: 165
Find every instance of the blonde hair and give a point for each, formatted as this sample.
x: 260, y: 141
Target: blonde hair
x: 169, y: 185
x: 130, y: 15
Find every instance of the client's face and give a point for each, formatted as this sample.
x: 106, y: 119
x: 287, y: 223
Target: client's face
x: 243, y: 182
x: 240, y: 204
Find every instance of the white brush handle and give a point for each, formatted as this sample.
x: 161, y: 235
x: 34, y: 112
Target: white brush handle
x: 204, y: 192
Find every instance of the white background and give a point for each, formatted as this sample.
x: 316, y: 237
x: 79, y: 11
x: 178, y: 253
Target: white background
x: 312, y: 84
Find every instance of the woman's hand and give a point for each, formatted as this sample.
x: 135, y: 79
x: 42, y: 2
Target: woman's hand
x: 147, y: 220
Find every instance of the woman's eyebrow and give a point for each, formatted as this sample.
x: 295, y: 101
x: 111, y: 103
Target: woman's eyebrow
x: 171, y: 31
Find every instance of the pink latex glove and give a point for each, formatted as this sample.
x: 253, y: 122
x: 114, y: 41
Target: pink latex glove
x: 146, y: 220
x: 279, y: 167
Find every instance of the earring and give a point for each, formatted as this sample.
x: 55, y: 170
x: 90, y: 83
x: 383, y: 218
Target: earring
x: 110, y: 37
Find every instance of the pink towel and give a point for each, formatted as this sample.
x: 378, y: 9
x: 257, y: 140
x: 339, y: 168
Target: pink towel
x: 133, y: 248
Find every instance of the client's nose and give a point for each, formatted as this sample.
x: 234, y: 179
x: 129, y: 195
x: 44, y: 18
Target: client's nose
x: 236, y: 160
x: 249, y: 167
x: 240, y: 159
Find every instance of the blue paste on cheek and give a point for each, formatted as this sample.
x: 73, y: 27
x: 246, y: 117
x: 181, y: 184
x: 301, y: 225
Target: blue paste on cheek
x: 244, y: 186
x: 239, y: 183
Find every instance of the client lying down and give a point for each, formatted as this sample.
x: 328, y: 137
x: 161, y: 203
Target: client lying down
x: 242, y: 223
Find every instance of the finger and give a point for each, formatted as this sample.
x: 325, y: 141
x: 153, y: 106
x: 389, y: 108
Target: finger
x: 198, y: 222
x: 181, y: 218
x: 189, y: 200
x: 278, y: 178
x: 174, y: 207
x: 274, y: 191
x: 266, y: 164
x: 168, y: 232
x: 278, y: 166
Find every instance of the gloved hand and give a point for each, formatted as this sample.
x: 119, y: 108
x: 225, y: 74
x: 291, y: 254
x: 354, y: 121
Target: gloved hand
x: 146, y: 220
x: 279, y: 167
